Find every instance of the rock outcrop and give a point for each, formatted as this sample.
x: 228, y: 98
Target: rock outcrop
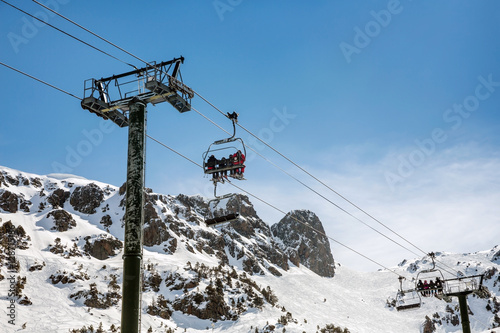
x: 9, y: 201
x: 58, y: 198
x: 303, y: 239
x: 102, y: 247
x: 63, y: 221
x: 85, y: 199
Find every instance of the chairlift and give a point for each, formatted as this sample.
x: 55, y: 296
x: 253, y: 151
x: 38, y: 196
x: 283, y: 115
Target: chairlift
x: 430, y: 282
x: 407, y: 299
x: 231, y: 152
x: 223, y: 214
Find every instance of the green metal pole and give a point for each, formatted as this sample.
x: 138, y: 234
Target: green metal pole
x: 464, y: 312
x: 134, y: 219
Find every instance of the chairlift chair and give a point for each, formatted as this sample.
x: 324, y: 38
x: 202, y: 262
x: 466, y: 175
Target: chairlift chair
x: 226, y: 147
x: 433, y: 274
x: 407, y: 299
x: 216, y: 215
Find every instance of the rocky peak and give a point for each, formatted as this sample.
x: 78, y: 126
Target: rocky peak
x: 305, y: 242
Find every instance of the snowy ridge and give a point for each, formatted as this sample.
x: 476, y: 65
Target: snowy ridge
x: 67, y: 234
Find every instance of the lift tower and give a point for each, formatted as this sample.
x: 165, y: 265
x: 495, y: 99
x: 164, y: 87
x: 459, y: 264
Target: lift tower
x: 124, y: 102
x: 461, y: 287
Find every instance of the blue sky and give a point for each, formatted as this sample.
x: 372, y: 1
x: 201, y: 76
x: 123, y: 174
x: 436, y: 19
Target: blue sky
x: 395, y: 104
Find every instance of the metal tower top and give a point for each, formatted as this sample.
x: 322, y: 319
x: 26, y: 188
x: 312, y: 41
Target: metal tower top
x: 155, y: 83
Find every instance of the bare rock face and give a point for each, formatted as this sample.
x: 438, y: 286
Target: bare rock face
x: 253, y: 223
x: 12, y: 237
x: 103, y: 247
x: 155, y: 233
x: 8, y: 201
x: 106, y: 222
x: 58, y: 198
x: 303, y: 244
x: 63, y: 221
x: 85, y: 199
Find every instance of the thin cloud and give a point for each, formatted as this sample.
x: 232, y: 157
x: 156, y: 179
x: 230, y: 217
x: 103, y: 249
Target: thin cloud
x: 450, y: 203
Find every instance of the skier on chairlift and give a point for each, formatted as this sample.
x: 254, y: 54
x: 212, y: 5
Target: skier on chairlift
x: 439, y: 286
x: 426, y: 288
x: 241, y: 158
x: 237, y: 159
x: 230, y: 163
x: 211, y: 163
x: 432, y: 288
x: 222, y: 164
x: 420, y: 286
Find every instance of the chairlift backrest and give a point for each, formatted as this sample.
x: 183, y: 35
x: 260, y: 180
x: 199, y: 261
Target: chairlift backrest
x: 221, y: 215
x: 407, y: 299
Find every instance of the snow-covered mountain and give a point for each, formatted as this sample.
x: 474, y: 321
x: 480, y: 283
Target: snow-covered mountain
x: 61, y: 240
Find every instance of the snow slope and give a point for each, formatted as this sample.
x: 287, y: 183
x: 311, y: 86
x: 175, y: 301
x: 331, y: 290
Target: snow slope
x: 306, y: 302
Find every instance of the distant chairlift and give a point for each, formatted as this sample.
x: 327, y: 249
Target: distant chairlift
x: 226, y: 213
x: 232, y: 154
x: 440, y: 288
x: 407, y: 299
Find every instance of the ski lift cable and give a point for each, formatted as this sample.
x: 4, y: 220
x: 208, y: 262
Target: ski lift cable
x: 208, y: 102
x: 312, y: 176
x: 284, y: 213
x: 36, y: 79
x: 211, y: 104
x: 322, y: 183
x: 315, y: 230
x: 89, y: 31
x: 74, y: 96
x: 174, y: 151
x: 331, y: 189
x: 311, y: 189
x: 199, y: 95
x: 164, y: 145
x: 171, y: 149
x: 66, y: 33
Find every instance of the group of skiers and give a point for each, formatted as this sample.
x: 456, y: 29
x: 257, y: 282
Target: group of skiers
x: 430, y: 288
x: 237, y: 159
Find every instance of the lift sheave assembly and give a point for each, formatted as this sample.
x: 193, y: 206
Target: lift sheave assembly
x: 156, y: 83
